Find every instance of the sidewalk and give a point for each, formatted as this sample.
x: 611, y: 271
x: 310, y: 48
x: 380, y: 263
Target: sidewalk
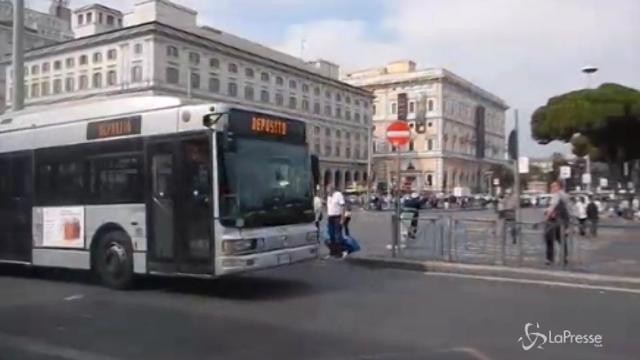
x: 615, y: 252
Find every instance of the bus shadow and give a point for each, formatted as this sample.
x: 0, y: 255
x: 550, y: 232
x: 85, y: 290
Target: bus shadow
x: 247, y: 287
x: 236, y: 287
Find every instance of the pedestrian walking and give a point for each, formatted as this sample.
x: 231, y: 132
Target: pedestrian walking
x: 581, y: 214
x: 556, y: 222
x: 335, y: 219
x: 317, y: 209
x: 593, y: 214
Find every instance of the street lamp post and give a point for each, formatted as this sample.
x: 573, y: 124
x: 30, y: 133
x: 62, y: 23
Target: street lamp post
x: 589, y: 71
x: 18, y: 55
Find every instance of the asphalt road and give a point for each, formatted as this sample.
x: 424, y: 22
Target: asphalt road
x: 323, y: 310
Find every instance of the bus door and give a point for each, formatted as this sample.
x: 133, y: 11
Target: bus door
x: 16, y: 200
x: 179, y: 205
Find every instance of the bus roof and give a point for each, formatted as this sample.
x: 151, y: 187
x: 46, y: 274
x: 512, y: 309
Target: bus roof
x: 69, y: 112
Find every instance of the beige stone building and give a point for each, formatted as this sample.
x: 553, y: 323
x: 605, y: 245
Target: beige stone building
x: 458, y: 128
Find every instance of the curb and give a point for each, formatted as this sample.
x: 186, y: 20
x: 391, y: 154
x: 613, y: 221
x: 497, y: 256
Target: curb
x: 499, y: 271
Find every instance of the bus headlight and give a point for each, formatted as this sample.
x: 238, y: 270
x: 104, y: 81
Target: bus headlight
x: 312, y: 237
x: 242, y: 246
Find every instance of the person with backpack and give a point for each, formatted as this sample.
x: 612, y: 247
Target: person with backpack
x: 593, y: 216
x: 557, y: 221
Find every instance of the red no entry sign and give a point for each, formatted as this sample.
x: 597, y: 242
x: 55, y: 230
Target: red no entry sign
x: 398, y: 133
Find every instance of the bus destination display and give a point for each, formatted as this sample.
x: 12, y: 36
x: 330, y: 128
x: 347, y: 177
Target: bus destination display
x: 114, y: 128
x: 245, y: 123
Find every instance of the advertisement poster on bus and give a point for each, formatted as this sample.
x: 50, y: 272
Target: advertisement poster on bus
x: 63, y: 227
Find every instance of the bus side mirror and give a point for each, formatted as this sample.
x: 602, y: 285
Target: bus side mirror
x: 210, y: 120
x: 315, y: 170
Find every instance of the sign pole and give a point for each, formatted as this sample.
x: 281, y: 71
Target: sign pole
x: 398, y: 134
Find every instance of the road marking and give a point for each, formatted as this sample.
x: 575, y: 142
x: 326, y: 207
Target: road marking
x: 536, y: 282
x: 36, y: 346
x: 74, y: 297
x: 474, y: 353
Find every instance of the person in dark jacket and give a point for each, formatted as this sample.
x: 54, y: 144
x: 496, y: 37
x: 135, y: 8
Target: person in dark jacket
x: 412, y: 204
x: 593, y: 216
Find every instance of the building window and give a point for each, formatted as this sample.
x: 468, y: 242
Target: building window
x: 83, y: 82
x: 365, y: 119
x: 305, y: 88
x: 337, y: 152
x: 80, y: 19
x: 137, y: 49
x: 214, y: 63
x: 69, y: 84
x: 327, y: 94
x: 57, y: 65
x: 264, y: 96
x: 411, y: 145
x: 44, y: 87
x: 214, y: 85
x: 249, y: 73
x: 357, y: 117
x: 357, y: 136
x: 327, y: 132
x: 327, y: 150
x: 394, y: 108
x: 233, y: 68
x: 327, y: 110
x: 172, y: 51
x: 110, y: 20
x: 279, y: 81
x: 430, y: 145
x: 35, y: 90
x: 347, y: 153
x: 430, y: 124
x: 112, y: 54
x: 34, y: 70
x: 195, y: 80
x: 100, y: 18
x: 84, y: 59
x: 97, y: 57
x: 70, y: 62
x: 293, y: 102
x: 173, y: 75
x: 57, y: 86
x: 338, y: 134
x: 293, y: 84
x: 316, y: 130
x: 305, y: 105
x: 430, y: 105
x: 112, y: 78
x: 316, y: 148
x: 264, y: 77
x: 194, y: 58
x: 356, y: 153
x: 412, y: 107
x: 316, y: 91
x: 374, y: 110
x: 347, y: 115
x: 316, y: 108
x: 232, y: 89
x: 339, y: 113
x: 136, y: 73
x: 89, y: 18
x: 365, y: 104
x: 338, y: 97
x: 279, y: 99
x: 248, y: 93
x: 357, y: 102
x: 348, y: 99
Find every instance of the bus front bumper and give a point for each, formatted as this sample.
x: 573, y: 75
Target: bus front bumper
x: 235, y: 264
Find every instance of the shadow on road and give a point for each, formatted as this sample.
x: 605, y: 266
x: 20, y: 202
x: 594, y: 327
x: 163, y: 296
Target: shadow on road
x: 240, y: 287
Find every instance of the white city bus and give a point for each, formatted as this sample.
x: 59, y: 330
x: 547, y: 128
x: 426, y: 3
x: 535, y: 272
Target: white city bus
x: 155, y: 185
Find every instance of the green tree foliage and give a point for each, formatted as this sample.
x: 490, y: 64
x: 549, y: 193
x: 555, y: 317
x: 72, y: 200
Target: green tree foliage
x: 504, y: 174
x: 607, y: 117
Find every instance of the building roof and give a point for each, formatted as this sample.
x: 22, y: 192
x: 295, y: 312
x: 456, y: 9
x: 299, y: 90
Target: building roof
x: 378, y: 78
x: 97, y: 6
x: 205, y: 37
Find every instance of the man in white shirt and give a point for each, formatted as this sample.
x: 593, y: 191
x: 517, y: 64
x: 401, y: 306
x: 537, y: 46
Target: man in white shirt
x: 335, y: 217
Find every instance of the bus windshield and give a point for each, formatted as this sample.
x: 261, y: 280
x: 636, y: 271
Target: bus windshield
x: 264, y: 183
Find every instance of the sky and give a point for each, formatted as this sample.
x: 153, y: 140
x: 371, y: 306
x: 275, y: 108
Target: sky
x: 524, y: 51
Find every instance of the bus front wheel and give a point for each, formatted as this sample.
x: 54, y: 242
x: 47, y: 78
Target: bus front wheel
x: 113, y: 260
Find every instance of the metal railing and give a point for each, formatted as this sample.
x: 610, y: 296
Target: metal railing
x: 482, y: 241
